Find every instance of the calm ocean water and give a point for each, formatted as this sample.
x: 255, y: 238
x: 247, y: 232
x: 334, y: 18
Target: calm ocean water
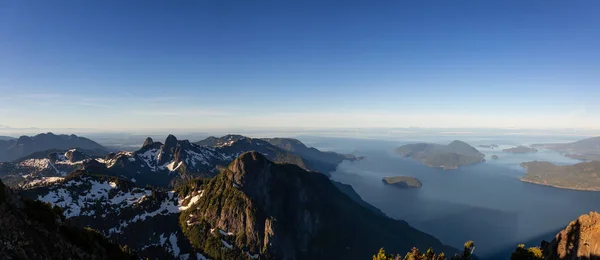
x: 486, y: 203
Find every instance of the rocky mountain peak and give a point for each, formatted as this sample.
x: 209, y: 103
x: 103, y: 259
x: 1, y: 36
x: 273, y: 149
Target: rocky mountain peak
x: 167, y: 150
x: 171, y: 141
x: 24, y: 140
x: 148, y: 142
x: 75, y: 155
x: 248, y: 168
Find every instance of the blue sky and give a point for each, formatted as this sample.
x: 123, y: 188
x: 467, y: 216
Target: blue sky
x: 223, y: 64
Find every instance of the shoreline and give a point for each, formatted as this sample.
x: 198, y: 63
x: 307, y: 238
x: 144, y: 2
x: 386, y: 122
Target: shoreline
x: 558, y: 186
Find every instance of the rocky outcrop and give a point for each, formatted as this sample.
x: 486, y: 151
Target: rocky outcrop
x: 75, y: 155
x: 147, y: 142
x: 579, y: 240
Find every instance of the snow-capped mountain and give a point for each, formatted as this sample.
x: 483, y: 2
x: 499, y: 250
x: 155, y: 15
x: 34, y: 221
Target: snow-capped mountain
x: 144, y: 219
x: 159, y: 164
x: 174, y: 161
x: 162, y: 164
x: 253, y: 209
x: 32, y: 229
x: 42, y: 167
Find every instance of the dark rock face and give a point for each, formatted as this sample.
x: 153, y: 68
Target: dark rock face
x: 147, y: 142
x: 166, y: 153
x: 579, y: 240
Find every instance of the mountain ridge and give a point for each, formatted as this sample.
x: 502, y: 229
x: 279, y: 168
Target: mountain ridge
x: 219, y: 218
x: 16, y: 148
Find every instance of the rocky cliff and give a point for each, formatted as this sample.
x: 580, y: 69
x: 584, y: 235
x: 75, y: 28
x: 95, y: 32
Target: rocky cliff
x: 579, y: 240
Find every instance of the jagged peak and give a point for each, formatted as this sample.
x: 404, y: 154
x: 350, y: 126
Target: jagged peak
x: 148, y: 141
x: 171, y: 141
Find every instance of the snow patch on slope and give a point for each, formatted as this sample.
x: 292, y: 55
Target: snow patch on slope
x: 98, y: 191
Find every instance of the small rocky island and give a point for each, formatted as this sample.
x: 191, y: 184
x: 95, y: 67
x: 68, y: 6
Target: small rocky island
x: 495, y: 157
x: 447, y: 157
x: 579, y: 176
x: 404, y: 182
x: 520, y: 149
x: 488, y: 146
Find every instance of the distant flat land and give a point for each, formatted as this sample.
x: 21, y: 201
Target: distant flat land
x: 586, y: 149
x: 520, y: 149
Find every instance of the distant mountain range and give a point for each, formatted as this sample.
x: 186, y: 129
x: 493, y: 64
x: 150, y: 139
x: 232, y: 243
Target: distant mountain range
x: 164, y: 164
x: 450, y: 156
x: 253, y: 209
x: 4, y: 138
x: 586, y: 149
x: 13, y: 149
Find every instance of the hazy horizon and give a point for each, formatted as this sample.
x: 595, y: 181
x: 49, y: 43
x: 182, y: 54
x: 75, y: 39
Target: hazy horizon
x: 411, y: 133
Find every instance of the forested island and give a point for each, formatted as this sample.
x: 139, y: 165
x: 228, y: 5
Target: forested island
x: 447, y: 157
x: 404, y: 182
x: 520, y: 149
x: 488, y: 146
x: 586, y: 149
x: 580, y: 176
